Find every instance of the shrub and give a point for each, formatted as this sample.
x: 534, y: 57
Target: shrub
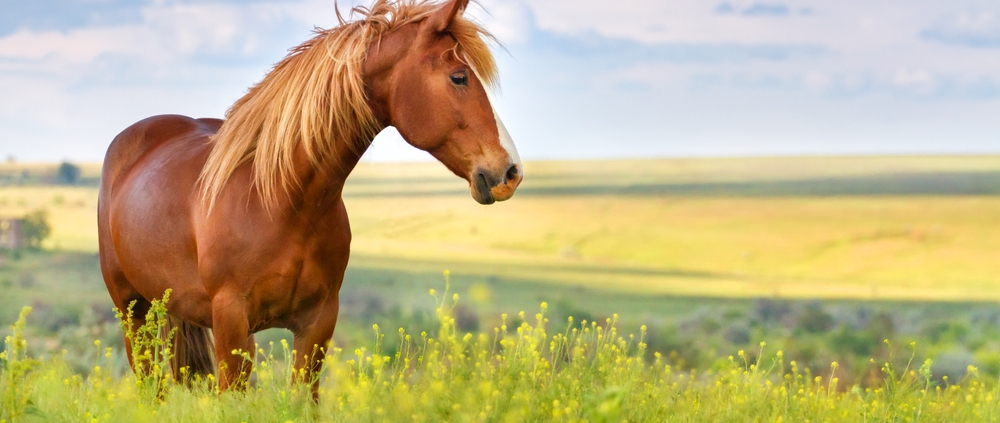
x: 770, y: 311
x: 815, y: 319
x: 35, y: 228
x: 67, y: 174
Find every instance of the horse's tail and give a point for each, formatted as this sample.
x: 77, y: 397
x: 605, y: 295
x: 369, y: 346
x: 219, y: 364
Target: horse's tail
x: 193, y: 350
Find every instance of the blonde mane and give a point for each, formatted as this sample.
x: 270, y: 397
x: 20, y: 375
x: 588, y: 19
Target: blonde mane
x: 315, y: 98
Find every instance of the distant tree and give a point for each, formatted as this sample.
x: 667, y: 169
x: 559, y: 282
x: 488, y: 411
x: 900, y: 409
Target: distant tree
x: 11, y: 159
x: 68, y: 174
x: 35, y: 228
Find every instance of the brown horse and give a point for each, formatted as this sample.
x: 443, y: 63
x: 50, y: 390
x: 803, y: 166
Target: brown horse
x: 243, y: 220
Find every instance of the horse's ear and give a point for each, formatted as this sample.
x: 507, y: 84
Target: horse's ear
x: 441, y: 19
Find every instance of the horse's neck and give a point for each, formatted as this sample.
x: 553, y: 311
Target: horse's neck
x: 319, y: 183
x: 325, y: 183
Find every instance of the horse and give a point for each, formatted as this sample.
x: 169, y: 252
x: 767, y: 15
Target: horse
x: 243, y: 219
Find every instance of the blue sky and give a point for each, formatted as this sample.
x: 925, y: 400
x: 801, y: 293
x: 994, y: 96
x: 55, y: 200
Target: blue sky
x: 581, y: 78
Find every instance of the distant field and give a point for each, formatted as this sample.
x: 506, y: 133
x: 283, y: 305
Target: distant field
x: 72, y: 212
x: 44, y: 173
x: 916, y: 228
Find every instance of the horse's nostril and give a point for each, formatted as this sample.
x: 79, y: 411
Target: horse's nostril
x: 512, y: 172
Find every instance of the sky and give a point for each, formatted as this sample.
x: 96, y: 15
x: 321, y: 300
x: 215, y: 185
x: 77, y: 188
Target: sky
x: 581, y: 79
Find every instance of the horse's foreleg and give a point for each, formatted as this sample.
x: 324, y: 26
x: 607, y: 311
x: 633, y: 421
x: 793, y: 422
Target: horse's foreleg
x: 311, y: 345
x: 232, y: 338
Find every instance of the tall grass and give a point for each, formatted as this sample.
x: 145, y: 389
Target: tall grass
x: 535, y: 370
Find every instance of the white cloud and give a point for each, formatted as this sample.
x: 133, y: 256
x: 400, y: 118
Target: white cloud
x: 816, y: 80
x: 907, y: 78
x: 172, y: 32
x: 76, y: 47
x: 76, y: 88
x: 665, y: 70
x: 687, y: 21
x: 33, y: 101
x: 973, y: 29
x: 509, y: 20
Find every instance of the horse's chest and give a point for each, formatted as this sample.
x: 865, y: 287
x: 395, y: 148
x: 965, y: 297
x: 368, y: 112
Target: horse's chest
x: 303, y: 283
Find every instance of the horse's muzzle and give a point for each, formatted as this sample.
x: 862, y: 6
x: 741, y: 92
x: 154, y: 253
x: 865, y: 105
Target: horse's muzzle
x: 488, y: 188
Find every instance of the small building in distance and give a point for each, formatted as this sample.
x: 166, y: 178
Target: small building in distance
x: 11, y: 237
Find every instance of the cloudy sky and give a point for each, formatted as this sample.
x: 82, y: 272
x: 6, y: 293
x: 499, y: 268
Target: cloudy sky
x: 581, y: 78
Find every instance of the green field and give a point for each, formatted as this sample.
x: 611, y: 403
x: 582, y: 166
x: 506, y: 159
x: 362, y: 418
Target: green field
x: 822, y: 258
x: 909, y: 228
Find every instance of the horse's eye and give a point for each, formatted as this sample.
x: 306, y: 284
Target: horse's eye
x: 460, y: 79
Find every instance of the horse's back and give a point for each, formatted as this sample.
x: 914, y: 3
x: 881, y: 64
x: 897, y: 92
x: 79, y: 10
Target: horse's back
x: 145, y: 135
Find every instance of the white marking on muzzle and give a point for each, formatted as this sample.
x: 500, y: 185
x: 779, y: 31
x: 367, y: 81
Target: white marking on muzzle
x: 505, y: 141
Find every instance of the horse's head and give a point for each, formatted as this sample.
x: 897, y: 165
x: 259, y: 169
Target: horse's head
x: 438, y: 102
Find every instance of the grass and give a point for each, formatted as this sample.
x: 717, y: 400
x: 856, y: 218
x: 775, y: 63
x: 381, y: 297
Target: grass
x: 61, y: 280
x: 72, y: 212
x: 536, y: 370
x: 686, y: 247
x: 673, y: 257
x: 909, y: 228
x: 923, y: 248
x: 915, y: 228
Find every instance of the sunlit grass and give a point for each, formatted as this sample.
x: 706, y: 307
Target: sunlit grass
x: 931, y: 246
x: 533, y: 370
x: 72, y: 213
x: 868, y: 247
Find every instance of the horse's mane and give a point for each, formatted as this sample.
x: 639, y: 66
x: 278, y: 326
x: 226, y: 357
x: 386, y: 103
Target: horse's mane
x: 315, y: 98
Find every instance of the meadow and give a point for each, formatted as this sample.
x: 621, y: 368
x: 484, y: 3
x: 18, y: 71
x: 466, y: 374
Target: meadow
x: 910, y: 228
x: 821, y: 258
x: 533, y: 371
